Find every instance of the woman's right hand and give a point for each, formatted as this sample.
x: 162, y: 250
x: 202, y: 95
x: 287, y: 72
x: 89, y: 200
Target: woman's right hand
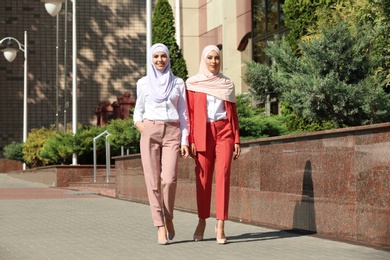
x: 192, y: 150
x: 140, y: 126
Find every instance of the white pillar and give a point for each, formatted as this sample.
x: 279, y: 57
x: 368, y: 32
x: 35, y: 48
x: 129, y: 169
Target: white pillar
x: 25, y: 93
x: 148, y: 29
x: 74, y: 85
x: 177, y: 20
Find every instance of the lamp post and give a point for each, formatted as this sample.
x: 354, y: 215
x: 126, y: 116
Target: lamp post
x: 56, y: 6
x: 53, y: 8
x: 74, y: 78
x: 10, y: 55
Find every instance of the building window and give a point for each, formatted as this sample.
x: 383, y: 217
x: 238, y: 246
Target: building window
x: 267, y: 20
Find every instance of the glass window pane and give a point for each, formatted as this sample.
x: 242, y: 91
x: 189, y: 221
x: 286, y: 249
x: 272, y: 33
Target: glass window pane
x: 258, y: 52
x: 281, y: 14
x: 259, y: 17
x: 272, y: 15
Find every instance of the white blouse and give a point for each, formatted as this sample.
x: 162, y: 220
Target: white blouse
x: 173, y: 109
x: 215, y: 109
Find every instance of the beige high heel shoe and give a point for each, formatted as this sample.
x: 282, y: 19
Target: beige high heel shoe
x: 220, y: 241
x: 161, y: 241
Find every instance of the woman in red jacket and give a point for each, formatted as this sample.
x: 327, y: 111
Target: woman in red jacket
x: 214, y: 138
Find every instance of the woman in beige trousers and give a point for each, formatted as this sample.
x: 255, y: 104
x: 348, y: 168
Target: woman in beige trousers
x: 160, y: 115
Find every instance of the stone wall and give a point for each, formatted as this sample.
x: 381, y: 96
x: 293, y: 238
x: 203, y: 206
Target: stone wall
x: 56, y: 175
x: 7, y: 165
x: 333, y: 183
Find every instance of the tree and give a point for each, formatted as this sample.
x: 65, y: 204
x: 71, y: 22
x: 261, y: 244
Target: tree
x: 299, y: 16
x: 163, y: 31
x: 375, y: 13
x: 331, y: 81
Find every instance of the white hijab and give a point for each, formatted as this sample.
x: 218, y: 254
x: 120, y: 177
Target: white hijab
x: 160, y: 83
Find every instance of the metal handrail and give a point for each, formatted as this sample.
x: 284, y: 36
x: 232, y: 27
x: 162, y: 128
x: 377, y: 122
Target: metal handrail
x: 108, y: 156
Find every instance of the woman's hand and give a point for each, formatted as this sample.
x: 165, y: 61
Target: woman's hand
x: 184, y: 152
x: 140, y: 126
x: 237, y: 151
x: 192, y: 150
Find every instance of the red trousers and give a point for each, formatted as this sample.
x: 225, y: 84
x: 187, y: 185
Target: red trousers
x: 160, y: 148
x: 218, y: 156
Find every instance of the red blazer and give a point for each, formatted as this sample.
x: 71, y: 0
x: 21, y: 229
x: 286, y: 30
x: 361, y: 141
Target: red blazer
x: 197, y: 112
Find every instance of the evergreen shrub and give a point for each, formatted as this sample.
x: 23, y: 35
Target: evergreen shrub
x: 14, y: 151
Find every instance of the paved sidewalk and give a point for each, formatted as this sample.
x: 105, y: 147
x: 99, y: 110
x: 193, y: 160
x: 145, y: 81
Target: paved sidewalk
x: 38, y: 222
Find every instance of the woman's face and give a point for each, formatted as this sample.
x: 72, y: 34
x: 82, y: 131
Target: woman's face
x: 160, y: 60
x: 213, y: 61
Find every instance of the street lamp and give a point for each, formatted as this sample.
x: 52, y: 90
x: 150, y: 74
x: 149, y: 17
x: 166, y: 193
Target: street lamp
x: 53, y: 7
x: 10, y: 55
x: 57, y: 5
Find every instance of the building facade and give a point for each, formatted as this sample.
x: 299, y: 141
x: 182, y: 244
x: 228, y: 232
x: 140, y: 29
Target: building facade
x: 111, y: 52
x: 240, y: 28
x: 111, y: 42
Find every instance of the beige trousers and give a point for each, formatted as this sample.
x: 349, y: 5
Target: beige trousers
x: 160, y: 148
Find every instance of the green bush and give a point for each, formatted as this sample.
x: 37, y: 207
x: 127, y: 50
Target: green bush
x: 58, y: 148
x: 297, y: 124
x: 123, y: 133
x: 261, y: 126
x: 83, y: 144
x: 254, y: 124
x: 14, y: 151
x: 244, y: 107
x: 34, y: 145
x: 45, y: 147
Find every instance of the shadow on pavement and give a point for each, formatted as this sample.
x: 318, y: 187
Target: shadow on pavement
x: 277, y: 234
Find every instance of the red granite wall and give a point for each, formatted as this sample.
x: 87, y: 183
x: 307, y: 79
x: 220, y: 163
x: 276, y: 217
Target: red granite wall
x: 335, y: 183
x: 7, y: 165
x: 56, y: 175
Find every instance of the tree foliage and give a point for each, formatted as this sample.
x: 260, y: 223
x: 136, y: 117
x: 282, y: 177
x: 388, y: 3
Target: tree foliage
x: 375, y: 13
x: 163, y: 31
x: 301, y: 15
x: 332, y: 80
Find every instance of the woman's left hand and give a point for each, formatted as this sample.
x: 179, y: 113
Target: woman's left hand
x: 184, y: 152
x: 237, y: 151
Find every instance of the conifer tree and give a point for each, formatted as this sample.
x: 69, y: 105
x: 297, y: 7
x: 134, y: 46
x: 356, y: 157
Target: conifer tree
x: 163, y: 31
x: 299, y: 16
x: 332, y: 80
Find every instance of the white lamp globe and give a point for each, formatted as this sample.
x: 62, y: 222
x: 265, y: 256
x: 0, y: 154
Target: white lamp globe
x: 10, y: 54
x: 53, y: 7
